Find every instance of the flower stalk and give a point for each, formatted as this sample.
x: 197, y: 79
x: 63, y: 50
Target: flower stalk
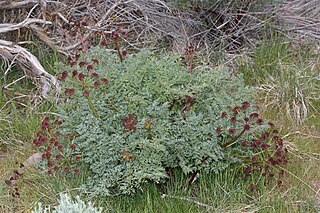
x: 94, y: 111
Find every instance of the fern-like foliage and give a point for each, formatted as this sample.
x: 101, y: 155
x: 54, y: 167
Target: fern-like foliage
x: 137, y: 118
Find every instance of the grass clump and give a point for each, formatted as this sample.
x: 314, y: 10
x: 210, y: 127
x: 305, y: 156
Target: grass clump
x: 287, y: 76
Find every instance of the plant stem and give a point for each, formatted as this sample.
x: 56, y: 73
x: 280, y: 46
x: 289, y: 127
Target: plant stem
x: 170, y: 174
x: 190, y: 62
x: 94, y: 111
x: 194, y: 175
x: 116, y: 43
x: 232, y: 140
x: 159, y: 187
x: 83, y: 42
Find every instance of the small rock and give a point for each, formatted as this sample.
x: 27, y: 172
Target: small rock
x: 33, y: 160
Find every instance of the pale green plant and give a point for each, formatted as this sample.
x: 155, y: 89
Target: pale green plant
x: 67, y: 205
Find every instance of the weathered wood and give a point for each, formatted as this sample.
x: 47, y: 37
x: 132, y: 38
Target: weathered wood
x: 9, y: 4
x: 30, y: 66
x: 11, y: 27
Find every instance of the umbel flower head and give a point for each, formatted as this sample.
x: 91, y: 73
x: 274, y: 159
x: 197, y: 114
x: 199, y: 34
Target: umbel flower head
x: 129, y: 123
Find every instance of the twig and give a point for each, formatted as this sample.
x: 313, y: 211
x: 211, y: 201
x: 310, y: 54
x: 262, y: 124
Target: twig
x: 13, y: 82
x: 17, y: 4
x: 189, y: 200
x: 300, y: 133
x: 27, y: 21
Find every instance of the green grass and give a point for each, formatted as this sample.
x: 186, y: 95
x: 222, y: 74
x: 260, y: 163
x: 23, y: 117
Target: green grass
x: 19, y: 106
x: 18, y: 121
x: 210, y: 192
x: 223, y: 192
x: 287, y: 77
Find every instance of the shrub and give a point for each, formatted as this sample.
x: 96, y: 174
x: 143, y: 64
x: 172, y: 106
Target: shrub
x: 134, y: 121
x: 67, y: 205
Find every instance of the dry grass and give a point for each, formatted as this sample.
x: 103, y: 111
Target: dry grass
x: 301, y: 18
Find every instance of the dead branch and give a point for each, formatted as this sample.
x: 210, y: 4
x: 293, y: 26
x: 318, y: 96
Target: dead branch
x: 9, y: 4
x: 27, y: 62
x: 300, y: 17
x: 11, y: 27
x: 30, y: 66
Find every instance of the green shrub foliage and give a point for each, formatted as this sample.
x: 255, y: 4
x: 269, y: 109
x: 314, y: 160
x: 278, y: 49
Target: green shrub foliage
x: 136, y: 119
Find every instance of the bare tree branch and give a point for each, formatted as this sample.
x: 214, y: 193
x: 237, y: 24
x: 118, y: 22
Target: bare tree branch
x: 11, y: 27
x: 30, y: 66
x: 17, y: 4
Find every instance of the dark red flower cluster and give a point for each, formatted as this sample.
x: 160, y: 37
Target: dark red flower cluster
x: 235, y: 110
x: 187, y: 104
x: 90, y: 67
x: 105, y: 81
x: 245, y: 105
x: 97, y: 84
x: 86, y: 85
x: 63, y: 75
x: 40, y: 139
x: 246, y: 127
x: 254, y: 115
x: 232, y: 131
x: 45, y: 123
x: 82, y: 63
x: 224, y: 115
x: 269, y: 147
x: 244, y: 143
x: 129, y: 123
x: 85, y: 93
x: 219, y: 130
x: 12, y: 183
x: 48, y: 142
x: 268, y: 167
x: 271, y: 157
x: 238, y: 117
x: 69, y: 91
x: 95, y: 61
x: 95, y: 75
x: 81, y: 76
x: 74, y: 73
x: 115, y: 38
